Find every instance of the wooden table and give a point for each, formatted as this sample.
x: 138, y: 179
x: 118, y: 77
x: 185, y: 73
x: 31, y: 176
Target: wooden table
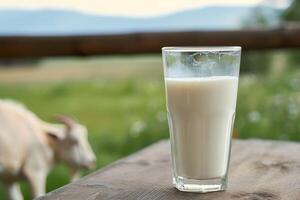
x: 259, y: 170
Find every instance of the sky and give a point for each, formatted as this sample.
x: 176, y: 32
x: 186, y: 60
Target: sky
x: 134, y: 8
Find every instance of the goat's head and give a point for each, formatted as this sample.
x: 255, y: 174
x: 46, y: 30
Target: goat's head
x: 72, y: 144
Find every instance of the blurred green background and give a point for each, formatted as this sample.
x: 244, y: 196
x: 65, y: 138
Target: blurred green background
x: 121, y: 98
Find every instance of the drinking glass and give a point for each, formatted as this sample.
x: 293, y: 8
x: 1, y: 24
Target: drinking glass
x: 201, y: 90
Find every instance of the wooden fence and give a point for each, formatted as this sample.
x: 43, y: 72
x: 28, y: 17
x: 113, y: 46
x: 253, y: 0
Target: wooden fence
x: 285, y: 36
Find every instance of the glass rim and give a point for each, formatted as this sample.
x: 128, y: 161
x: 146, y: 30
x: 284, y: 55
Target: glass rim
x: 201, y: 48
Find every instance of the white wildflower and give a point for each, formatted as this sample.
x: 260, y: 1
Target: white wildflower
x: 254, y: 116
x: 137, y: 127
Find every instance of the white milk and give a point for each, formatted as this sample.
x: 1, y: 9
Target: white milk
x: 201, y: 113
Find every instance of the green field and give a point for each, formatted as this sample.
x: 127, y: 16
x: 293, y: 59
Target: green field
x: 121, y: 101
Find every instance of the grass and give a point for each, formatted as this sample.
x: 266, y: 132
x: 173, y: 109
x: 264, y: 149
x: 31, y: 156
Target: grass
x: 121, y: 101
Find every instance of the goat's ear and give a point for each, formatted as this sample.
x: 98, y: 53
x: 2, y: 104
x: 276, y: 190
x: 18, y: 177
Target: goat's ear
x: 52, y: 136
x: 55, y: 134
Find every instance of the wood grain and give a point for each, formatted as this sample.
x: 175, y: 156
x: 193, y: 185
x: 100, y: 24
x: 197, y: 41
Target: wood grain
x: 259, y: 170
x: 285, y: 36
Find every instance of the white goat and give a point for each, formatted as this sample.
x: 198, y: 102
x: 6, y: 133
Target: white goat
x: 29, y: 147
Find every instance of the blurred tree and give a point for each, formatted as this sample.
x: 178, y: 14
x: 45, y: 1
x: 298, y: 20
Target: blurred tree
x: 255, y: 62
x: 292, y: 14
x: 256, y: 19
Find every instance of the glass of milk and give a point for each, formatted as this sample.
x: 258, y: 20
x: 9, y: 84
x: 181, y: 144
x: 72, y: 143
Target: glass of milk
x: 201, y: 91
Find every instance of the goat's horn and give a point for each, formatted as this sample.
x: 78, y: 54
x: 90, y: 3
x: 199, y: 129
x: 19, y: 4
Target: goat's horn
x: 68, y: 121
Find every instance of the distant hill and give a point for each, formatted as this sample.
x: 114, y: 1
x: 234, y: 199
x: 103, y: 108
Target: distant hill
x: 16, y: 22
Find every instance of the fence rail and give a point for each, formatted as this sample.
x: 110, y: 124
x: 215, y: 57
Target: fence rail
x: 286, y: 36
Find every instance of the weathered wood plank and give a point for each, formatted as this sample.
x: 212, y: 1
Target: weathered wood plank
x: 285, y: 36
x: 260, y: 170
